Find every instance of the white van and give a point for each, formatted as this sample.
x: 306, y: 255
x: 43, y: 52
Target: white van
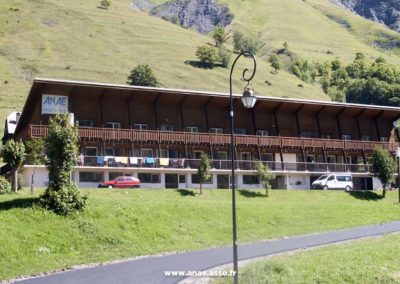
x: 334, y: 181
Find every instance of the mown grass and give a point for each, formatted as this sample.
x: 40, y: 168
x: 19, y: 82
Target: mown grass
x: 126, y: 223
x: 367, y: 261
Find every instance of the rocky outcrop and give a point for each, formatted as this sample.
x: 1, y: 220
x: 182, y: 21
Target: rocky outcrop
x: 386, y: 12
x: 201, y: 15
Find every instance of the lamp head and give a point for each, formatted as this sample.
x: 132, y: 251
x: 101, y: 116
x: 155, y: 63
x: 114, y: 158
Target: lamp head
x: 248, y: 98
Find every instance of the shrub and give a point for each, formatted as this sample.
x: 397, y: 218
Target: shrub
x: 383, y: 167
x: 244, y: 43
x: 224, y: 57
x: 207, y: 55
x: 5, y: 186
x: 105, y: 4
x: 142, y: 75
x: 274, y: 60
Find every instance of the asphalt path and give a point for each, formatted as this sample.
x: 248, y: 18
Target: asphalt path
x: 151, y: 269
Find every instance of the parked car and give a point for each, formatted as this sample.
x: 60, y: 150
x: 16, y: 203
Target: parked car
x: 121, y: 182
x: 334, y: 181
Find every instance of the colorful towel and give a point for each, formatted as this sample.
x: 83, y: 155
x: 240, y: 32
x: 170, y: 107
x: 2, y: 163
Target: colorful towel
x: 133, y: 160
x: 100, y: 160
x: 118, y: 159
x: 149, y: 160
x: 124, y: 160
x: 164, y: 162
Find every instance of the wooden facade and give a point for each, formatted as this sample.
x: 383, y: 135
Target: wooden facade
x: 137, y: 121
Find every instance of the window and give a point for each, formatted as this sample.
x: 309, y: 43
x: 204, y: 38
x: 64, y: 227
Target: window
x: 164, y: 153
x: 221, y: 155
x: 197, y: 154
x: 91, y: 151
x: 325, y: 136
x: 250, y: 179
x: 182, y: 179
x: 195, y: 179
x: 346, y: 137
x: 267, y: 157
x: 344, y: 178
x: 147, y: 153
x: 305, y: 134
x: 310, y: 158
x: 149, y: 178
x: 240, y: 131
x: 85, y: 123
x: 108, y: 151
x: 365, y: 138
x: 331, y: 178
x: 193, y: 129
x: 113, y: 175
x: 263, y: 132
x: 331, y: 159
x: 140, y: 126
x: 91, y: 177
x: 216, y: 130
x: 111, y: 124
x: 166, y: 127
x: 384, y: 139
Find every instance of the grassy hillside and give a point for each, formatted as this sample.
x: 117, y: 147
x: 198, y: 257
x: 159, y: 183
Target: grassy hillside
x: 125, y: 223
x: 77, y: 40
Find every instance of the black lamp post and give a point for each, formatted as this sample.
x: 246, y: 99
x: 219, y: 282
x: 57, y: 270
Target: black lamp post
x: 396, y: 125
x: 248, y: 101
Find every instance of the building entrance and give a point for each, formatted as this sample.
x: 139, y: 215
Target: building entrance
x: 171, y: 181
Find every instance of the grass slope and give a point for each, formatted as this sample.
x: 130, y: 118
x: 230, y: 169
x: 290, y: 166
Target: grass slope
x: 367, y: 261
x: 76, y: 40
x: 125, y: 223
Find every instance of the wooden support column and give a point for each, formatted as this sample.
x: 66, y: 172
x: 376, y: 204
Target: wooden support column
x: 253, y: 117
x: 181, y: 112
x: 155, y: 106
x: 278, y: 132
x: 378, y: 131
x: 364, y: 157
x: 71, y: 100
x: 357, y: 117
x: 297, y: 120
x: 206, y: 114
x: 338, y: 122
x: 128, y: 102
x: 319, y: 122
x: 101, y: 113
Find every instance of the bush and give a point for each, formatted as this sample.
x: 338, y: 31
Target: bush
x: 5, y: 186
x: 243, y: 43
x: 105, y: 4
x: 219, y: 35
x: 207, y: 55
x: 64, y: 200
x: 224, y: 57
x: 142, y: 75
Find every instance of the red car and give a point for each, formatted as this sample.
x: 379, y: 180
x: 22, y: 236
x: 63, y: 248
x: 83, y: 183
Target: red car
x: 121, y: 182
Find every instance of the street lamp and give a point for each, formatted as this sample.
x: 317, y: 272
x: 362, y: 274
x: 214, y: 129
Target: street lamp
x: 396, y: 125
x: 248, y: 100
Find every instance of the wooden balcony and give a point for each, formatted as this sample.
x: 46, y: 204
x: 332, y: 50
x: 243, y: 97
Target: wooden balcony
x: 146, y: 136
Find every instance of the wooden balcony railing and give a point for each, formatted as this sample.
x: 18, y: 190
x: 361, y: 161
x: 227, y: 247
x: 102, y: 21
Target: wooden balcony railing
x: 128, y: 135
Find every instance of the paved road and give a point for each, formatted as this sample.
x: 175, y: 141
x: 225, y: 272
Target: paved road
x: 151, y: 269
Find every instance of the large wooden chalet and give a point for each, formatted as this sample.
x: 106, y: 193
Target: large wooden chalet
x: 158, y: 135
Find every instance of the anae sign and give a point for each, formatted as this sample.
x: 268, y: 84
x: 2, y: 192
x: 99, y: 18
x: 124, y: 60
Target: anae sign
x: 52, y: 104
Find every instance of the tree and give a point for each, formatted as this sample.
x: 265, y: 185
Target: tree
x: 274, y: 60
x: 207, y: 55
x: 265, y: 176
x: 285, y: 45
x: 142, y: 75
x: 34, y: 152
x: 243, y: 43
x: 383, y: 167
x: 204, y: 171
x: 219, y: 35
x: 61, y: 146
x: 13, y: 153
x: 105, y: 4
